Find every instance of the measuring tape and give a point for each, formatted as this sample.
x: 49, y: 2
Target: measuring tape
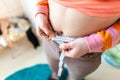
x: 60, y: 40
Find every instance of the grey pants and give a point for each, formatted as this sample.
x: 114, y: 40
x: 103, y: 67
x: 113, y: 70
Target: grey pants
x: 77, y: 67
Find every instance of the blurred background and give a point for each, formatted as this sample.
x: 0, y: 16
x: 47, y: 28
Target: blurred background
x: 26, y: 49
x: 17, y: 8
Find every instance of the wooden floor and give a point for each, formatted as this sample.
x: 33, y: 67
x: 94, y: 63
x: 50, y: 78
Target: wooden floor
x: 24, y: 55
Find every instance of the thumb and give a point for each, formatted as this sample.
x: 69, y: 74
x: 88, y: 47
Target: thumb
x: 66, y: 46
x: 48, y: 32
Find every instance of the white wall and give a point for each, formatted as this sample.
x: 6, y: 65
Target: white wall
x: 10, y: 8
x: 29, y: 9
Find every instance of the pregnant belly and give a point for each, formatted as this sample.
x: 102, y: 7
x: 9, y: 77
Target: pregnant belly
x: 81, y: 25
x: 69, y: 22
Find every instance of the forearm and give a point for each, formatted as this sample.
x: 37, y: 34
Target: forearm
x: 104, y: 39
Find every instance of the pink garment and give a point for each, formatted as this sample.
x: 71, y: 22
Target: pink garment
x: 96, y: 43
x: 98, y: 8
x: 42, y: 9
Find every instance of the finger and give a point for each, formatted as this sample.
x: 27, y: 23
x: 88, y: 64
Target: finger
x: 48, y: 32
x: 66, y: 49
x: 70, y: 53
x: 43, y: 35
x: 66, y: 46
x: 38, y: 31
x: 67, y: 53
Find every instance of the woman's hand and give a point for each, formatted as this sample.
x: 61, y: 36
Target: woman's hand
x: 43, y: 28
x: 75, y: 49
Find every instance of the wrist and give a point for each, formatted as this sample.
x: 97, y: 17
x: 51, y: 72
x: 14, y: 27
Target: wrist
x: 82, y: 45
x: 85, y: 45
x: 41, y: 15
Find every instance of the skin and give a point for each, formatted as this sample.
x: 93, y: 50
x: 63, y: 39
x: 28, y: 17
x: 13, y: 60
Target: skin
x: 71, y: 23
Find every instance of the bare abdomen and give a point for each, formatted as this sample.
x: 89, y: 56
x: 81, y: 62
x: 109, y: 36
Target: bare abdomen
x: 70, y: 22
